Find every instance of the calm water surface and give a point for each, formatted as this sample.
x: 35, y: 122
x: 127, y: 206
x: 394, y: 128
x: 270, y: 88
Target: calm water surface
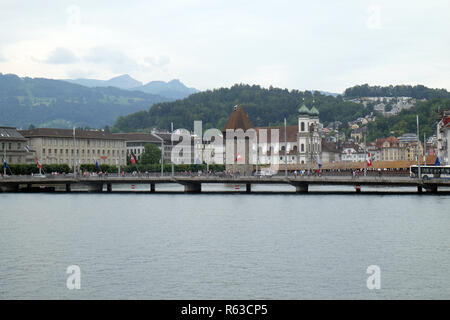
x: 224, y: 246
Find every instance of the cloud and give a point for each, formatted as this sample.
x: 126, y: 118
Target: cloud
x: 61, y: 56
x: 160, y: 61
x: 114, y: 59
x: 79, y: 73
x: 2, y: 58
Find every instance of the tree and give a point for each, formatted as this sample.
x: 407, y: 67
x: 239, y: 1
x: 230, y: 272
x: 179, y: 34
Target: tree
x: 151, y: 155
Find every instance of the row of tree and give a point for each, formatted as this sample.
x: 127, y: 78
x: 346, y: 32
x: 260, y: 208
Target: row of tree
x: 28, y: 169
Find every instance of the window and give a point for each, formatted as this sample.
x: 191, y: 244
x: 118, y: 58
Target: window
x: 302, y: 147
x: 302, y: 126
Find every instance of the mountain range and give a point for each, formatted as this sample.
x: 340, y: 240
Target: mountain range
x: 171, y: 90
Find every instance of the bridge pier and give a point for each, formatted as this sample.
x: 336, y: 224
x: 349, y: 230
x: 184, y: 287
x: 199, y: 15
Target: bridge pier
x: 95, y: 187
x: 301, y: 188
x: 152, y: 188
x: 248, y: 187
x: 9, y: 188
x: 433, y: 188
x: 108, y: 187
x: 68, y: 187
x: 193, y: 187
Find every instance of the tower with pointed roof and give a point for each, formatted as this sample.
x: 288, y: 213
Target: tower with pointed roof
x: 239, y: 120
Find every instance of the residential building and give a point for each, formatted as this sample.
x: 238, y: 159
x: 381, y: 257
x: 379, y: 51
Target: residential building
x: 330, y: 152
x: 12, y: 146
x: 407, y: 138
x: 413, y: 149
x: 390, y: 149
x: 443, y: 137
x: 352, y: 152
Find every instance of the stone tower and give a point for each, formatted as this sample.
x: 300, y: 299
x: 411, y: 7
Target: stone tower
x: 240, y: 162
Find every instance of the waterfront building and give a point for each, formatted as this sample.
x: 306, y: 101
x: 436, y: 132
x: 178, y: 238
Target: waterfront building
x: 352, y: 152
x: 412, y: 149
x: 330, y: 152
x: 390, y: 149
x: 75, y: 147
x: 135, y: 143
x: 408, y: 138
x: 12, y: 145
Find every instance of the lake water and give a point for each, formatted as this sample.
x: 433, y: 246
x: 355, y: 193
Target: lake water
x: 224, y: 246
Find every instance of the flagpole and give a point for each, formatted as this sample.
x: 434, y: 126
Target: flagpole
x: 365, y: 153
x: 4, y: 160
x: 418, y: 155
x: 171, y: 127
x: 74, y: 154
x: 424, y: 149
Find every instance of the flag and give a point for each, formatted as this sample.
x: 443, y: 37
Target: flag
x: 238, y: 158
x: 27, y: 147
x: 96, y: 164
x: 133, y: 160
x: 5, y: 165
x: 38, y: 163
x: 437, y: 162
x: 319, y: 162
x: 369, y: 159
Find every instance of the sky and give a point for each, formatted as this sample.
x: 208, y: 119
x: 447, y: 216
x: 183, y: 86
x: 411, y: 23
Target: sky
x: 305, y: 45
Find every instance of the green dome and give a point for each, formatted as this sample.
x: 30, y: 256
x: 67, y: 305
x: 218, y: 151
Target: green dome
x: 304, y: 110
x: 314, y: 111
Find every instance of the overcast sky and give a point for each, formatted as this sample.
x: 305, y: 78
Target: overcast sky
x: 322, y: 45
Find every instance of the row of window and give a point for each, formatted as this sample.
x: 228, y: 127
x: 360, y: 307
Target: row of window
x: 82, y: 142
x: 94, y: 152
x: 9, y: 146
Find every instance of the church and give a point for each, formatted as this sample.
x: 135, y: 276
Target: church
x: 276, y: 145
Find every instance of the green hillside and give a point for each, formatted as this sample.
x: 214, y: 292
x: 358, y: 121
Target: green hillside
x: 264, y: 107
x: 46, y: 102
x: 267, y: 107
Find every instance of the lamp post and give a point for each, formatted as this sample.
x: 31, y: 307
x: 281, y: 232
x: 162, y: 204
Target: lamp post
x: 74, y: 158
x: 418, y: 155
x: 162, y: 152
x: 4, y: 159
x: 173, y: 169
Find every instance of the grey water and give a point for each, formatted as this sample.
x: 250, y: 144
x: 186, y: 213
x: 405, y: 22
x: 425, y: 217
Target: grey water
x: 224, y: 246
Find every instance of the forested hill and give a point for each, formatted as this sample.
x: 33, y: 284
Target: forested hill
x: 264, y: 107
x: 417, y: 92
x: 56, y: 103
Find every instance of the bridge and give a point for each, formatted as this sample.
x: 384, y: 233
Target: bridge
x: 193, y: 184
